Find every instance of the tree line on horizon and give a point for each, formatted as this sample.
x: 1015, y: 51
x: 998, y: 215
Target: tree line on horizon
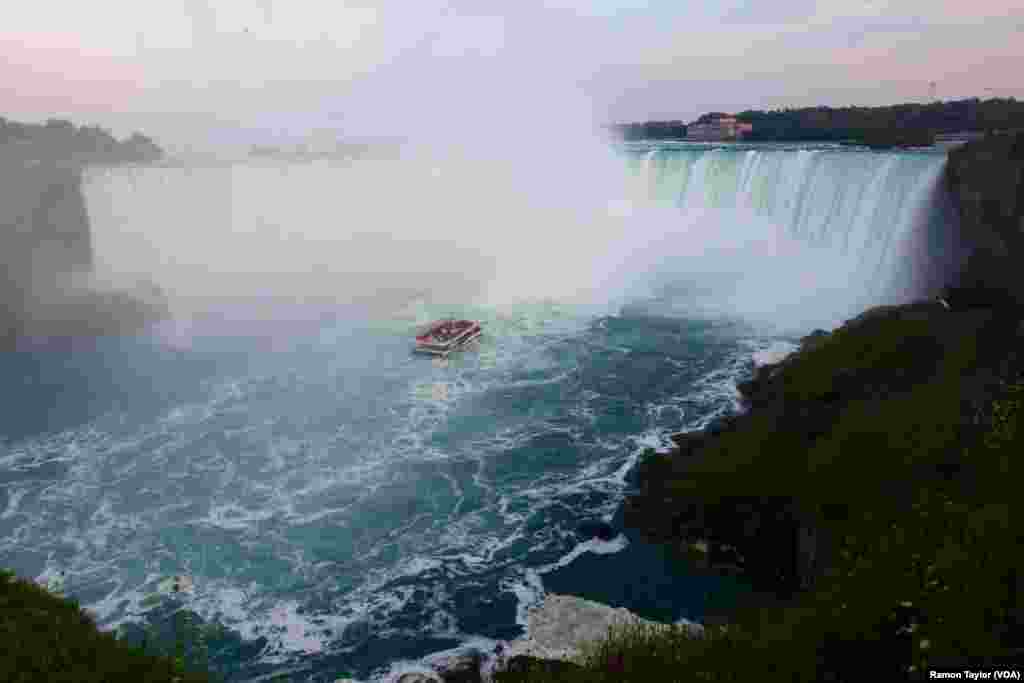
x: 62, y: 140
x: 899, y: 124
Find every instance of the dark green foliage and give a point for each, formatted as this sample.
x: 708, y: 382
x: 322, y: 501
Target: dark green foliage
x: 890, y: 126
x: 711, y: 116
x: 62, y: 141
x: 885, y: 138
x: 47, y: 638
x: 653, y: 130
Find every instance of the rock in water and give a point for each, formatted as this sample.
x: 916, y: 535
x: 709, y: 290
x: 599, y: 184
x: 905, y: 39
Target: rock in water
x: 461, y: 668
x: 418, y: 678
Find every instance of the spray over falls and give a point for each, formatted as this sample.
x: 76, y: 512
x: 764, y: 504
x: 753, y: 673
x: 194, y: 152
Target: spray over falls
x: 792, y: 238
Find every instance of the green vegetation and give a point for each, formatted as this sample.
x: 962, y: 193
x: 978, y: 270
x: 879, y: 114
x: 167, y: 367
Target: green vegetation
x: 653, y: 130
x: 60, y: 140
x: 894, y: 125
x: 896, y: 439
x: 885, y: 124
x: 49, y: 638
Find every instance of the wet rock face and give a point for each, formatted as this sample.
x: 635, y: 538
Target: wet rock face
x: 43, y: 218
x: 985, y: 180
x: 44, y: 231
x: 45, y: 246
x: 462, y: 668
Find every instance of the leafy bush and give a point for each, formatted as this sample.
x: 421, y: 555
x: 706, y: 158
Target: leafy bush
x: 49, y: 638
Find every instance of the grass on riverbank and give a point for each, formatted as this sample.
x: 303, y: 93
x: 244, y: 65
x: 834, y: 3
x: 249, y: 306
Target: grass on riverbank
x: 50, y: 638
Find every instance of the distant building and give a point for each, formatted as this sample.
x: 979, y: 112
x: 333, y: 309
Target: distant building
x: 718, y: 128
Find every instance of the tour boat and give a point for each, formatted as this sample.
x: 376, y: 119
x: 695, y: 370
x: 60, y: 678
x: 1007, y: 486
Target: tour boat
x: 442, y: 337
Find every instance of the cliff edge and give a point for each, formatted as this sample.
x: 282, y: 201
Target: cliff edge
x: 985, y: 181
x: 46, y: 261
x: 46, y: 251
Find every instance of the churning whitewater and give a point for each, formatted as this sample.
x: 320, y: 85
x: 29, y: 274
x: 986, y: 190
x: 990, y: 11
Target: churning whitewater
x: 345, y: 508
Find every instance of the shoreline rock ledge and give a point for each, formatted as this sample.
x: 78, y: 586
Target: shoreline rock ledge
x: 556, y: 630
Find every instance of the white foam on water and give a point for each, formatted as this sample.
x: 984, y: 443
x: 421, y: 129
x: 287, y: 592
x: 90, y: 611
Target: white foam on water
x: 415, y: 566
x: 297, y: 632
x: 13, y: 499
x: 236, y: 517
x: 774, y: 353
x: 529, y: 592
x: 289, y: 632
x: 436, y: 661
x: 719, y: 387
x: 243, y: 610
x: 593, y: 545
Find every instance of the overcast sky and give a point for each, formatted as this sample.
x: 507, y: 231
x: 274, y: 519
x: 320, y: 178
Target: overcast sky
x: 228, y: 70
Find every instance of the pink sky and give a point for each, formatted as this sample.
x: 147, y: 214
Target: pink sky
x: 178, y: 70
x: 66, y: 79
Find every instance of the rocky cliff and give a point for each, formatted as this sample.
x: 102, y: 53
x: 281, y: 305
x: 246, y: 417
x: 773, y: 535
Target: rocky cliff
x: 985, y: 180
x: 44, y: 230
x: 46, y: 259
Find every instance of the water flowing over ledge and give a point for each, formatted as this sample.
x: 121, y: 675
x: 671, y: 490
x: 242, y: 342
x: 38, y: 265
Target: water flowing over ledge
x: 799, y: 238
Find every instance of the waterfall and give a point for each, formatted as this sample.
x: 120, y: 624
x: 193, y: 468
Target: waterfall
x: 800, y: 237
x: 795, y: 237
